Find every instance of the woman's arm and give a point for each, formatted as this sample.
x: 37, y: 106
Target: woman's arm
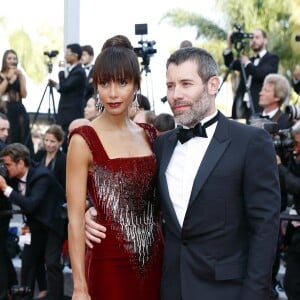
x: 23, y: 89
x: 78, y: 162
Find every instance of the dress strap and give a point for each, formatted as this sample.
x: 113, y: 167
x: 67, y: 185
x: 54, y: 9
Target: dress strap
x: 150, y: 133
x: 90, y: 136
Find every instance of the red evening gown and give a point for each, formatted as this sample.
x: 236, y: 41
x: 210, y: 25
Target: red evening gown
x: 127, y: 264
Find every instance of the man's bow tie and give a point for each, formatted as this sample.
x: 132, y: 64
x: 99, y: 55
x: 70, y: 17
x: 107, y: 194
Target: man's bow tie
x: 185, y: 135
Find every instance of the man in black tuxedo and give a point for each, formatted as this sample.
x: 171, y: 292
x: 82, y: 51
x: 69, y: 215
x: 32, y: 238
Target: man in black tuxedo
x: 256, y: 68
x: 219, y: 192
x: 87, y: 63
x: 34, y: 188
x: 275, y: 91
x: 8, y: 275
x: 71, y: 86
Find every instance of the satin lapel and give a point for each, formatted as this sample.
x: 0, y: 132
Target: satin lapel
x: 164, y: 162
x: 216, y: 148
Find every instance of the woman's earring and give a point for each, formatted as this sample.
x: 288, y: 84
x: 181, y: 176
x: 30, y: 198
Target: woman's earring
x: 135, y: 103
x: 99, y: 105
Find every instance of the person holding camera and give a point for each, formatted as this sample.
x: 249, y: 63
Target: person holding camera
x: 34, y: 189
x: 290, y: 180
x: 256, y: 68
x: 275, y: 91
x: 71, y: 86
x: 8, y: 275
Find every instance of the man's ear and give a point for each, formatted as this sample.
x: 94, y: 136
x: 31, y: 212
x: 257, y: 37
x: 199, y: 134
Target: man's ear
x: 213, y: 85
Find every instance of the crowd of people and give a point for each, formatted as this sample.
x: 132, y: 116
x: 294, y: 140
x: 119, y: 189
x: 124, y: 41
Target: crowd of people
x: 159, y: 206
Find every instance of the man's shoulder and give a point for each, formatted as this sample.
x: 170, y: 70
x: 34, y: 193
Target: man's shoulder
x: 36, y: 169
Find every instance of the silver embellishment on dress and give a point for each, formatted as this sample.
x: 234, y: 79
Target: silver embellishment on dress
x: 132, y: 216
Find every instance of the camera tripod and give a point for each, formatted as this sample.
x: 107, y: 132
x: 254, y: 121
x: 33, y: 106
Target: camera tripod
x: 50, y: 99
x: 50, y: 102
x: 239, y: 46
x: 146, y: 70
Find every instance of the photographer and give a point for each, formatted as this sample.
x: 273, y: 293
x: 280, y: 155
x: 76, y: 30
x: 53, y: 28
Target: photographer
x: 34, y: 188
x: 8, y: 275
x: 256, y: 67
x: 275, y: 91
x: 290, y: 180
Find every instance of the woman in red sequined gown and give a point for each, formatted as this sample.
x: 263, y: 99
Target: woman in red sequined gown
x: 113, y: 161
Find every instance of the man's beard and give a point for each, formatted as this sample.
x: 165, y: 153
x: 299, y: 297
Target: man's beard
x: 196, y: 113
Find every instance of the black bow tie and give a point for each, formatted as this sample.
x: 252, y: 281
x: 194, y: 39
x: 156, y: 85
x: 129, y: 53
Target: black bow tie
x: 264, y: 117
x: 185, y: 135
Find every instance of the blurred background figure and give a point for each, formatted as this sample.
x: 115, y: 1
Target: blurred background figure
x: 8, y: 275
x: 141, y: 103
x: 145, y: 116
x: 289, y: 173
x: 71, y: 86
x: 163, y: 122
x: 256, y: 67
x: 91, y: 110
x: 186, y: 44
x: 87, y: 63
x: 296, y: 79
x: 274, y: 93
x: 13, y: 90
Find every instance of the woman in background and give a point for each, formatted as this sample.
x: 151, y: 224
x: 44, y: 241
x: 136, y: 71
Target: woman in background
x: 91, y: 111
x: 12, y: 91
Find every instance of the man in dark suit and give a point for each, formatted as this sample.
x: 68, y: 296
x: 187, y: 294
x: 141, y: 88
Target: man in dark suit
x: 275, y: 91
x: 87, y: 63
x: 219, y: 192
x: 71, y: 86
x: 34, y: 188
x: 256, y: 68
x: 8, y: 275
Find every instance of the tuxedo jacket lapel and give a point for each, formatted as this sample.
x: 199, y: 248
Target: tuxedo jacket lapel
x: 166, y: 156
x: 215, y: 150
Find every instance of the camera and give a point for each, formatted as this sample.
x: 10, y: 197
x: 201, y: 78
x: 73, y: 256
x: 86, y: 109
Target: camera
x: 293, y: 111
x: 51, y: 54
x: 18, y: 292
x: 239, y: 35
x: 146, y: 50
x: 282, y: 138
x: 3, y: 170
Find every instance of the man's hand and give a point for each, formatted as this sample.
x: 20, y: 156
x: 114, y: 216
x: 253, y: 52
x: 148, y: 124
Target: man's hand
x: 94, y: 232
x: 52, y: 82
x: 3, y: 183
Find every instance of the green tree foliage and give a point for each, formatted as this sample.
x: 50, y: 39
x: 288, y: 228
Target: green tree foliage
x: 280, y: 19
x: 30, y: 49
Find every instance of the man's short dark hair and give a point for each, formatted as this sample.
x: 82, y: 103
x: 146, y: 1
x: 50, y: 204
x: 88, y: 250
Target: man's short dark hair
x: 89, y: 49
x: 164, y: 122
x: 143, y: 102
x: 3, y: 116
x: 75, y: 48
x: 17, y: 152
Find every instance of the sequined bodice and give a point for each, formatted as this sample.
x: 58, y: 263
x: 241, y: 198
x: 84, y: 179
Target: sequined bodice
x: 122, y: 191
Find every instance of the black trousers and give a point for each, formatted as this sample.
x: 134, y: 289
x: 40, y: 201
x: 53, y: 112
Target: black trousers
x: 45, y: 247
x: 8, y: 275
x: 292, y: 274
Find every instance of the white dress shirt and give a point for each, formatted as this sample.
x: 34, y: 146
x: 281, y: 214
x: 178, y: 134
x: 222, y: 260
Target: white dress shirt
x: 183, y: 168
